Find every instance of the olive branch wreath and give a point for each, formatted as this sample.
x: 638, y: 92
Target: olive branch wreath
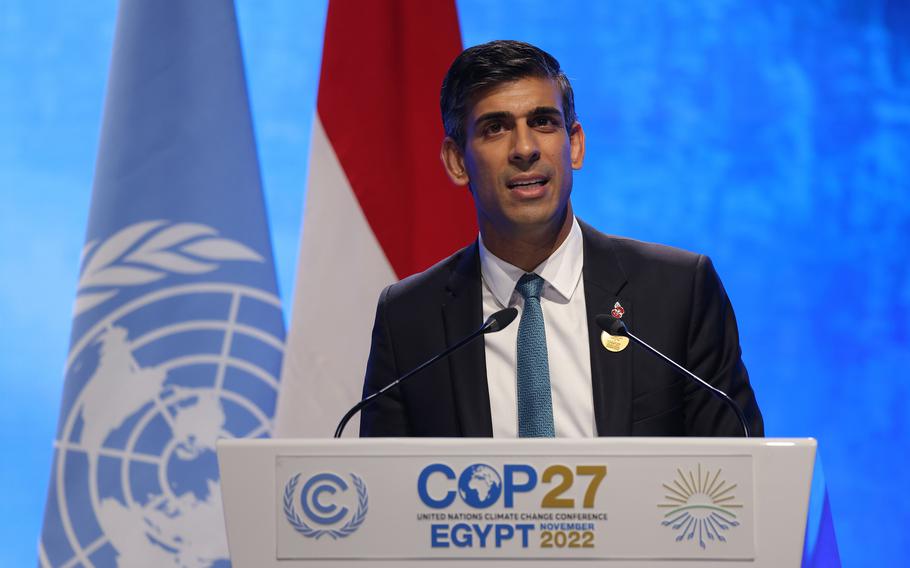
x: 300, y: 526
x: 148, y: 251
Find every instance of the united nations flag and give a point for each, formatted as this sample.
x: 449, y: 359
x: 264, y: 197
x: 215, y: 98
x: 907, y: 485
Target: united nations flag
x: 177, y: 333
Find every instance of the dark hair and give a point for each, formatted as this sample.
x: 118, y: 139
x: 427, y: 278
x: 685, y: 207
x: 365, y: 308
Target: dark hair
x: 488, y: 65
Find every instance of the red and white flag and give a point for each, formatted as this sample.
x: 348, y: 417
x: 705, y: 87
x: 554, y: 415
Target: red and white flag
x: 379, y: 205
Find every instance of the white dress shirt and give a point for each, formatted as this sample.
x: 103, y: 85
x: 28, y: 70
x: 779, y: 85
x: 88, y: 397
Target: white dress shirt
x: 562, y: 300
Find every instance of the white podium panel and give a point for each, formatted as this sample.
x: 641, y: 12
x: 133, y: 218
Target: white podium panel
x: 444, y: 502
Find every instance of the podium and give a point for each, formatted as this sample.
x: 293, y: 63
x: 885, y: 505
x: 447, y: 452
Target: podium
x: 618, y: 502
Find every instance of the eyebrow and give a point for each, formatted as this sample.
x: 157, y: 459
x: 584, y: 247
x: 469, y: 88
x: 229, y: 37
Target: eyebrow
x: 544, y: 110
x: 501, y: 114
x: 496, y: 115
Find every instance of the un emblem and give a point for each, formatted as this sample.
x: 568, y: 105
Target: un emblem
x: 322, y: 513
x: 169, y: 362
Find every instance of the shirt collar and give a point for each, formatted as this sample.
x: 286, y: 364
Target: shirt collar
x: 561, y: 271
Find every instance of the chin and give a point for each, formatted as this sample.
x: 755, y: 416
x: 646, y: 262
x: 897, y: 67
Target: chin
x: 523, y: 223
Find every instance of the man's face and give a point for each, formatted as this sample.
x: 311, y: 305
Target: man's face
x: 518, y: 158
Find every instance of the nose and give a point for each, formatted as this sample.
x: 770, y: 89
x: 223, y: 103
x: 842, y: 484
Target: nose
x: 525, y: 149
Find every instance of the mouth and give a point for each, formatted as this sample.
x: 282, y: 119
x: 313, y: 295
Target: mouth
x: 527, y: 183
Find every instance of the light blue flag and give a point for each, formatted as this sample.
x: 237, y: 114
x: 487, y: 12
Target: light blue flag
x: 177, y: 334
x: 820, y: 549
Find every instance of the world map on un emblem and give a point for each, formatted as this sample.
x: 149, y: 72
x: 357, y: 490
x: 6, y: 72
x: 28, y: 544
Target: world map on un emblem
x: 479, y: 485
x: 161, y: 377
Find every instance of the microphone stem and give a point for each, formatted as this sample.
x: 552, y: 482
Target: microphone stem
x: 717, y: 392
x: 357, y: 407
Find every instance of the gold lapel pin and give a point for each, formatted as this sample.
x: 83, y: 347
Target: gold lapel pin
x: 614, y: 343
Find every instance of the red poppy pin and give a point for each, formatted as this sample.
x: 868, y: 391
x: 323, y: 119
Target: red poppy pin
x: 617, y: 311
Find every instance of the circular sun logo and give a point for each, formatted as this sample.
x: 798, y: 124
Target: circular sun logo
x: 700, y: 505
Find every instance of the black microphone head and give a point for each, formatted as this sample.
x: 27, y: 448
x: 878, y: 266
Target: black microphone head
x: 500, y: 320
x: 613, y: 326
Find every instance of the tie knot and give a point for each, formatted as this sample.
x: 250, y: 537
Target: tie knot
x: 529, y: 286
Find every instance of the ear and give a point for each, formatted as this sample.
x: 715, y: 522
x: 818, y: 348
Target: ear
x: 453, y: 159
x: 577, y: 145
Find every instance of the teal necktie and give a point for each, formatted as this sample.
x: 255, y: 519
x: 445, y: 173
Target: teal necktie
x: 535, y: 403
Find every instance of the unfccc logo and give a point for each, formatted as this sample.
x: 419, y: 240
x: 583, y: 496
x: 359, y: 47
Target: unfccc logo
x: 319, y: 499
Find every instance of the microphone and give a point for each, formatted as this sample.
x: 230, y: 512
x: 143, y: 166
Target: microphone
x: 615, y: 326
x: 496, y: 322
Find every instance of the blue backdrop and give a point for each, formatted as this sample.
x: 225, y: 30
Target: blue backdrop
x: 772, y: 135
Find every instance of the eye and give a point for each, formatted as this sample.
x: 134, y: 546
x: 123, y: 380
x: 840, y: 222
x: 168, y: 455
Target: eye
x: 492, y: 128
x: 543, y: 122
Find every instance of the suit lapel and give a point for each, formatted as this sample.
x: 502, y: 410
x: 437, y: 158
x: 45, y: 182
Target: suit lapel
x: 463, y: 314
x: 611, y: 373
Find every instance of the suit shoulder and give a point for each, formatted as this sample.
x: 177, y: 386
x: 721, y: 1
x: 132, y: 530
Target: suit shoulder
x: 633, y: 254
x: 635, y: 251
x: 428, y: 284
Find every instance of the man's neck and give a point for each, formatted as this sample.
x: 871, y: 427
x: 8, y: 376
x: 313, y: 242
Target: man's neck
x: 528, y: 248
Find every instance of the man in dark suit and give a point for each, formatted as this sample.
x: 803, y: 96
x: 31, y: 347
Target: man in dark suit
x: 512, y: 137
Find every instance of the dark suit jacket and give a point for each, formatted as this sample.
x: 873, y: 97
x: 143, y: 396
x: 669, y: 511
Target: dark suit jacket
x: 673, y: 299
